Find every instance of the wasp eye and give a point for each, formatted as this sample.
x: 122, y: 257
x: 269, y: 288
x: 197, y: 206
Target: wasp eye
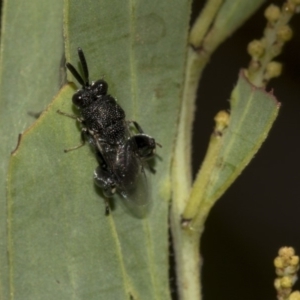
x: 100, y: 87
x: 82, y: 98
x: 77, y: 99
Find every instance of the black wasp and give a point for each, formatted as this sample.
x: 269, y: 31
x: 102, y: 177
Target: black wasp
x: 120, y: 153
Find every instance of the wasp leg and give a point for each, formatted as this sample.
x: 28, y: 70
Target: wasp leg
x: 107, y: 208
x: 83, y: 132
x: 70, y: 116
x: 137, y: 126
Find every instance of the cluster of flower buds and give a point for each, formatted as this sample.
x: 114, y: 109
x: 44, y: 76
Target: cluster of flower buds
x: 262, y: 68
x: 287, y: 265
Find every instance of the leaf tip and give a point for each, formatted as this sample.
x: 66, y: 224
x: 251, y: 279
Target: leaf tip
x: 243, y: 75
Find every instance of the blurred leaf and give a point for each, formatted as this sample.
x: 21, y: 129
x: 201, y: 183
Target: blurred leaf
x: 31, y: 51
x: 61, y: 244
x: 230, y: 17
x: 233, y: 14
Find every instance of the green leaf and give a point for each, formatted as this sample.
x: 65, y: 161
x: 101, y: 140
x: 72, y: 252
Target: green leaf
x: 61, y: 245
x: 31, y: 51
x: 253, y: 111
x: 231, y: 16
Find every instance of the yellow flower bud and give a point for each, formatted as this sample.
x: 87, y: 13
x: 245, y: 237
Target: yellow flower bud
x: 272, y: 13
x: 278, y: 263
x: 286, y: 251
x: 222, y: 120
x: 286, y: 282
x: 273, y: 69
x: 294, y: 260
x: 289, y: 7
x: 256, y: 48
x: 295, y: 295
x: 285, y: 33
x: 277, y: 284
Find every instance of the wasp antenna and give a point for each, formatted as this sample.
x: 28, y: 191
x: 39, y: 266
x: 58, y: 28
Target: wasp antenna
x: 84, y: 66
x: 75, y: 74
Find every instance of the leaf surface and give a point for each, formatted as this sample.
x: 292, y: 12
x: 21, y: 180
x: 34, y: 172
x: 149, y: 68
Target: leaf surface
x: 30, y: 75
x: 57, y: 227
x: 253, y: 112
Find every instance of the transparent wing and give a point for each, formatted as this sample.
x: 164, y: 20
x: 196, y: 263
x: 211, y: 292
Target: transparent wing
x: 132, y: 182
x: 136, y: 192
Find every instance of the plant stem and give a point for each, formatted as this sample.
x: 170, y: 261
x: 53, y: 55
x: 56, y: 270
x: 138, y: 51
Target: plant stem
x: 186, y: 244
x: 203, y: 22
x: 203, y: 40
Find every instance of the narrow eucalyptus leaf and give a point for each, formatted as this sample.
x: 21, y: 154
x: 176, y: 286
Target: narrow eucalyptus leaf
x: 62, y: 246
x: 30, y: 76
